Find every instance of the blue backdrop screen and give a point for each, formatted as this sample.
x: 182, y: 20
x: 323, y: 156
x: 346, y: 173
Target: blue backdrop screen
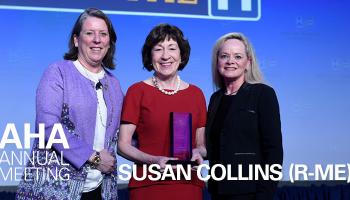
x: 302, y: 47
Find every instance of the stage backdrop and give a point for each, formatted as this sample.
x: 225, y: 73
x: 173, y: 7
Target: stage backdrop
x: 303, y: 48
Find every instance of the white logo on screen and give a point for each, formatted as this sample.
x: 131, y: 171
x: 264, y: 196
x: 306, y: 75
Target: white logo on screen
x: 246, y: 5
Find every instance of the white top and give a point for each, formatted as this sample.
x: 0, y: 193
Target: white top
x: 94, y: 176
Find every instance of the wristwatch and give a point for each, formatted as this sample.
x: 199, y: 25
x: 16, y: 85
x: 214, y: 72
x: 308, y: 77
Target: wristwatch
x: 96, y: 160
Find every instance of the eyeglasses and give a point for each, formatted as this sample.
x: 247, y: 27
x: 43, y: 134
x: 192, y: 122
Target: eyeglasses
x: 227, y: 57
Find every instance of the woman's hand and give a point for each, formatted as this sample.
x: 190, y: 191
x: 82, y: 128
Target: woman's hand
x: 197, y: 156
x: 161, y: 161
x: 107, y: 162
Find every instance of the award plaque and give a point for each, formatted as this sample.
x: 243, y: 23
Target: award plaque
x: 181, y: 138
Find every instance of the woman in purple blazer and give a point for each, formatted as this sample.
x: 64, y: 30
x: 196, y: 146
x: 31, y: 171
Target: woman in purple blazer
x: 82, y: 96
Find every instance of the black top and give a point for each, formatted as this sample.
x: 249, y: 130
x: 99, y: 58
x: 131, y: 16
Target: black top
x: 220, y: 117
x: 215, y: 137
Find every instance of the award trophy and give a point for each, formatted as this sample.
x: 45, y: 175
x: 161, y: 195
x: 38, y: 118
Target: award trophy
x: 181, y: 138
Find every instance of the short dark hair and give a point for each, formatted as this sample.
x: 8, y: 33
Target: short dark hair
x: 159, y: 34
x: 72, y: 54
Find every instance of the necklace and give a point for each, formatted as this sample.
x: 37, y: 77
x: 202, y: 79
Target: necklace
x: 98, y: 102
x: 155, y: 82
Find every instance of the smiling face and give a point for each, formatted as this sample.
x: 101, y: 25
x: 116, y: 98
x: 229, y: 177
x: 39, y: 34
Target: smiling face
x: 93, y: 42
x: 166, y: 58
x: 232, y: 61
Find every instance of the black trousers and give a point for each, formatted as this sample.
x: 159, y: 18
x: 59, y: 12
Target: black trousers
x: 92, y: 195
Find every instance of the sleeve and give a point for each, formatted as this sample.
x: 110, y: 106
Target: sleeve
x: 271, y: 139
x: 119, y: 101
x: 132, y: 105
x: 202, y: 109
x: 208, y: 126
x: 49, y: 105
x: 210, y: 108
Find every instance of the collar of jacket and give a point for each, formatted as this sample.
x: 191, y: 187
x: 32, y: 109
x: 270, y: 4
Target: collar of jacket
x: 243, y: 87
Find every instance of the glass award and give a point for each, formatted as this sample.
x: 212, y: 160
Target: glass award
x: 181, y: 138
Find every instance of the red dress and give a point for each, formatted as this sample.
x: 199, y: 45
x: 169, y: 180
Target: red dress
x: 149, y: 109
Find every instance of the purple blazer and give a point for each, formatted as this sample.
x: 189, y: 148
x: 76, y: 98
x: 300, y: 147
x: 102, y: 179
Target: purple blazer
x: 67, y: 97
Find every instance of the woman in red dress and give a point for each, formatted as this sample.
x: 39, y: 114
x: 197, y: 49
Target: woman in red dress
x: 146, y: 113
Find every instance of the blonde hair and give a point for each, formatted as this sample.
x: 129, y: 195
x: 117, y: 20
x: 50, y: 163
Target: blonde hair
x: 253, y: 73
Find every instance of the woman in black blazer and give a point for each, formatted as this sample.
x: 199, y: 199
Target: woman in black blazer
x: 243, y: 125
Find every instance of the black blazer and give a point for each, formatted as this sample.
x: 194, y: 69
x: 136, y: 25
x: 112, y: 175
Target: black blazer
x: 251, y: 134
